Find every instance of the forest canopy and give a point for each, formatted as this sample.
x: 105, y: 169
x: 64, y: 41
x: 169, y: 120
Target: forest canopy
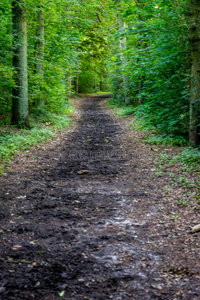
x: 146, y: 53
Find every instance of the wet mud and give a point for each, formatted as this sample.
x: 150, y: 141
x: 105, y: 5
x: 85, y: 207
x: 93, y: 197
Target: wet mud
x: 97, y: 235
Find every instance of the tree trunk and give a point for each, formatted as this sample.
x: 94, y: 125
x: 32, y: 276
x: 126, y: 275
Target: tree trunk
x: 194, y: 125
x: 141, y: 44
x: 20, y: 90
x: 122, y: 26
x: 95, y: 84
x: 69, y: 86
x: 76, y: 84
x: 101, y: 84
x: 40, y: 53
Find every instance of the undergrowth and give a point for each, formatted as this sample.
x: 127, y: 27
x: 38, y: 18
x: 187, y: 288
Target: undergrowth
x: 166, y: 140
x: 103, y: 93
x: 189, y: 156
x: 44, y: 125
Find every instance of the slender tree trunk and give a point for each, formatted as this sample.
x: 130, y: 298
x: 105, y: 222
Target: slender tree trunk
x: 40, y: 53
x: 122, y: 26
x: 76, y: 85
x: 194, y: 125
x: 20, y: 90
x: 95, y: 84
x: 101, y: 84
x: 69, y: 86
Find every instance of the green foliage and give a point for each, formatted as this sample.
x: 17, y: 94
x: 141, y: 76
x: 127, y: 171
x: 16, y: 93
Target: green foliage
x: 189, y: 156
x: 88, y: 82
x: 57, y: 122
x: 167, y: 140
x: 127, y: 110
x: 145, y: 124
x: 156, y: 67
x: 121, y: 108
x: 76, y: 45
x: 59, y: 57
x: 23, y: 140
x: 167, y: 119
x: 45, y: 125
x: 104, y: 93
x: 94, y: 50
x: 6, y: 72
x: 113, y: 103
x: 82, y: 46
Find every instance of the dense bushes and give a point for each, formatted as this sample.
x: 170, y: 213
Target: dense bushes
x: 157, y: 64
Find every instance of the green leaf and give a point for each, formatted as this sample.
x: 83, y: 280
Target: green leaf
x: 61, y: 294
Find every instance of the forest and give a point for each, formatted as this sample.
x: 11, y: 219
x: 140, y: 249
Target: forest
x: 145, y: 53
x: 99, y: 149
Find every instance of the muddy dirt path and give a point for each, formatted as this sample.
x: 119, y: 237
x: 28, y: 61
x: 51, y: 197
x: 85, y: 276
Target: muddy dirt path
x: 104, y: 234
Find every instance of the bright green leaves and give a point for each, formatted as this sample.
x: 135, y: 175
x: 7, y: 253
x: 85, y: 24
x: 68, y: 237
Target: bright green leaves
x: 156, y: 68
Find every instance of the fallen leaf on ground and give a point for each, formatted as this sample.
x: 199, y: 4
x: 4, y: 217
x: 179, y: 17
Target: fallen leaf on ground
x: 196, y: 228
x: 81, y: 172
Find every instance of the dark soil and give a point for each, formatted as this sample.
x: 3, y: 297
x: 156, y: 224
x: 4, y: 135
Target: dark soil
x: 109, y: 233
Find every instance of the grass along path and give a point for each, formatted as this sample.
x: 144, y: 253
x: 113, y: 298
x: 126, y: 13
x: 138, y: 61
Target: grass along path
x: 45, y: 127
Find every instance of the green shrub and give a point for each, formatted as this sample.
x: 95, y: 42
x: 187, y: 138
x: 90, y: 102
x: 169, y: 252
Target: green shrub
x: 189, y: 156
x: 45, y: 125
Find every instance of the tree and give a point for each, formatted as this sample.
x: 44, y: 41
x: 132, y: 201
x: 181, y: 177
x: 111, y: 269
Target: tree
x: 123, y: 47
x: 194, y: 127
x: 20, y: 89
x: 122, y: 40
x: 40, y: 52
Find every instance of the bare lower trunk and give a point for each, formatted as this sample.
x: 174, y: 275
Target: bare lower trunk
x: 20, y: 90
x: 95, y: 84
x: 40, y: 54
x: 76, y: 85
x: 194, y: 126
x: 69, y: 86
x: 101, y: 84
